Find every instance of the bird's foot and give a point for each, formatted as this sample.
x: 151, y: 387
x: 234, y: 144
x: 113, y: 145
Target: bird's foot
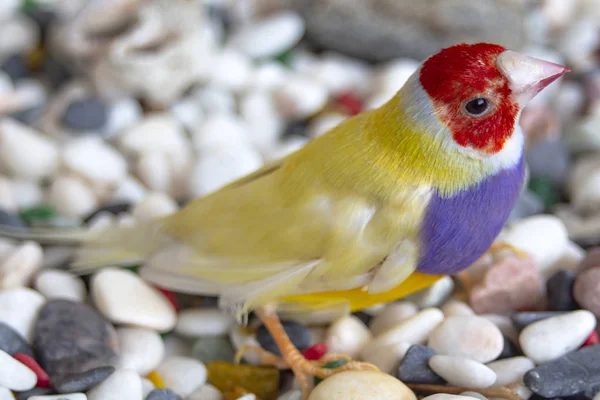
x: 499, y: 246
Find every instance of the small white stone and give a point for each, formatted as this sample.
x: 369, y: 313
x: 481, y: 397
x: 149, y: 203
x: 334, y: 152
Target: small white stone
x: 239, y: 338
x: 414, y: 330
x: 287, y: 147
x: 182, y: 375
x: 268, y: 76
x: 323, y: 123
x: 153, y: 170
x: 17, y: 145
x: 72, y: 197
x: 455, y: 308
x: 510, y: 370
x: 339, y: 73
x: 8, y: 199
x: 262, y: 119
x: 123, y: 114
x: 130, y: 190
x: 467, y: 336
x: 505, y: 325
x: 188, y: 112
x: 463, y: 372
x: 444, y: 396
x: 121, y: 384
x: 579, y: 41
x: 154, y: 205
x: 93, y: 159
x: 216, y: 100
x: 232, y: 70
x: 220, y: 130
x: 147, y: 387
x: 17, y: 268
x: 140, y: 350
x: 386, y: 357
x: 123, y: 298
x: 548, y: 339
x: 390, y: 79
x: 66, y: 396
x: 6, y: 84
x: 392, y: 314
x: 59, y: 284
x: 6, y: 247
x: 270, y: 36
x: 474, y: 395
x: 434, y: 295
x: 19, y: 309
x: 205, y: 392
x: 102, y: 221
x: 6, y: 394
x: 14, y: 375
x: 347, y: 335
x: 9, y: 8
x: 301, y: 97
x: 361, y: 385
x: 30, y: 92
x: 27, y: 193
x: 200, y: 322
x: 156, y: 132
x: 249, y: 396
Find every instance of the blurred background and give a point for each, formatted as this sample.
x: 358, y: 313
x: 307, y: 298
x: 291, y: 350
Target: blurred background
x: 116, y: 107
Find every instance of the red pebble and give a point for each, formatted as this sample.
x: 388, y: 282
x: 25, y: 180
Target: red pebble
x: 592, y: 340
x: 43, y: 380
x: 171, y: 297
x: 315, y: 352
x: 350, y: 102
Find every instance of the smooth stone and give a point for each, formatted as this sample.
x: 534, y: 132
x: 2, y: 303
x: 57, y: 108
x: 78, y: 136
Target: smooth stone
x: 130, y: 190
x: 205, y: 392
x: 444, y: 396
x: 19, y: 309
x: 262, y: 119
x: 392, y: 314
x: 467, y: 336
x: 16, y: 67
x: 510, y: 370
x: 140, y: 350
x: 6, y: 394
x: 12, y: 342
x: 122, y: 114
x: 147, y: 387
x: 59, y: 284
x: 457, y: 308
x: 298, y: 334
x: 300, y: 97
x: 72, y: 197
x: 68, y: 396
x: 90, y: 342
x: 10, y: 219
x: 362, y: 385
x: 26, y: 395
x: 154, y: 171
x: 554, y: 337
x: 348, y: 335
x: 571, y: 374
x: 27, y: 193
x: 559, y: 290
x: 163, y: 394
x: 434, y: 295
x: 268, y: 76
x: 87, y: 114
x: 200, y: 322
x: 17, y: 267
x: 155, y: 132
x: 83, y: 381
x: 586, y: 290
x: 93, y: 159
x: 213, y: 348
x: 414, y: 367
x: 14, y: 375
x: 183, y: 375
x: 231, y: 70
x: 122, y: 384
x: 323, y: 123
x: 124, y: 298
x: 220, y: 130
x: 386, y: 357
x: 462, y: 372
x: 523, y: 319
x: 154, y: 205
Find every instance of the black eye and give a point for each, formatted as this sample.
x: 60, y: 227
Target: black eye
x: 477, y: 106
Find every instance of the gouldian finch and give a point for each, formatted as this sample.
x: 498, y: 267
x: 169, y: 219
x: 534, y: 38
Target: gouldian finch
x: 382, y: 205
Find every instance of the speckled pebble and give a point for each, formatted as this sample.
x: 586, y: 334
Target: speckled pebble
x: 462, y: 372
x: 298, y: 334
x: 82, y: 381
x: 183, y: 375
x: 163, y: 394
x: 414, y: 367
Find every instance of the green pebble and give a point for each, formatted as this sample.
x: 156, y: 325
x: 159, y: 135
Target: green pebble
x: 330, y: 365
x: 217, y: 348
x: 35, y: 215
x: 545, y: 190
x: 132, y: 268
x: 286, y: 58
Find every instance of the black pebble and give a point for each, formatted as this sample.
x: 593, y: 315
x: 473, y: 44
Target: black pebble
x: 163, y: 394
x: 56, y: 73
x: 298, y: 128
x: 298, y: 333
x: 83, y: 381
x: 10, y: 219
x: 72, y: 338
x: 16, y: 67
x: 560, y: 291
x: 363, y: 316
x: 509, y: 350
x: 414, y: 367
x: 33, y: 392
x: 572, y: 374
x: 521, y: 320
x: 85, y: 114
x: 12, y: 342
x: 114, y: 209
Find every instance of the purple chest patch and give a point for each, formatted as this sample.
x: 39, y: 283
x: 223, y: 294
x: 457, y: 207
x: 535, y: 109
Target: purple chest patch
x: 457, y: 230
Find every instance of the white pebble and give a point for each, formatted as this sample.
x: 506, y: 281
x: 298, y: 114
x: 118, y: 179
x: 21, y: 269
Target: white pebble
x: 72, y: 197
x: 392, y: 314
x: 347, y: 335
x: 17, y: 268
x: 510, y: 370
x: 361, y: 385
x: 434, y: 295
x: 188, y: 112
x: 454, y: 308
x: 505, y: 325
x: 463, y: 372
x: 301, y: 97
x: 6, y: 394
x: 200, y: 322
x: 156, y: 132
x: 6, y: 247
x: 130, y: 190
x: 323, y: 123
x: 140, y: 350
x: 386, y: 357
x: 121, y: 384
x: 340, y: 74
x: 182, y: 375
x: 154, y: 205
x: 66, y: 396
x: 390, y: 79
x: 287, y: 147
x: 548, y: 339
x: 17, y: 145
x: 206, y: 392
x: 19, y: 309
x: 220, y: 130
x: 216, y: 100
x: 8, y: 199
x: 122, y: 115
x: 249, y: 396
x: 154, y: 171
x: 444, y: 396
x: 93, y: 159
x: 6, y: 83
x: 147, y: 387
x: 240, y: 338
x: 27, y: 193
x: 270, y: 36
x: 232, y: 70
x: 262, y: 119
x: 467, y: 336
x: 268, y: 76
x: 474, y: 395
x: 14, y: 375
x: 123, y: 298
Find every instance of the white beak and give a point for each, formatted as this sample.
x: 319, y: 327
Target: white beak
x: 527, y: 75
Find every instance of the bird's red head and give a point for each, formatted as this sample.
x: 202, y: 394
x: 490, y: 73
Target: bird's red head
x: 479, y: 89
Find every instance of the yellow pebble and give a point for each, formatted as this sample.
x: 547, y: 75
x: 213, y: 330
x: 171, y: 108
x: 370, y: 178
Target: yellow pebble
x: 155, y: 378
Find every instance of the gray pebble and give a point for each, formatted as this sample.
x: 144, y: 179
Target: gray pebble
x: 71, y: 338
x: 33, y: 392
x: 509, y: 350
x: 217, y: 348
x: 414, y: 367
x: 85, y: 115
x: 560, y: 291
x: 163, y: 394
x: 83, y: 381
x: 298, y: 333
x: 521, y: 320
x: 10, y: 219
x: 16, y: 67
x: 12, y: 342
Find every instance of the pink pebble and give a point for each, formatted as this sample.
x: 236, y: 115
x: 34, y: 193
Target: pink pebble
x: 315, y: 352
